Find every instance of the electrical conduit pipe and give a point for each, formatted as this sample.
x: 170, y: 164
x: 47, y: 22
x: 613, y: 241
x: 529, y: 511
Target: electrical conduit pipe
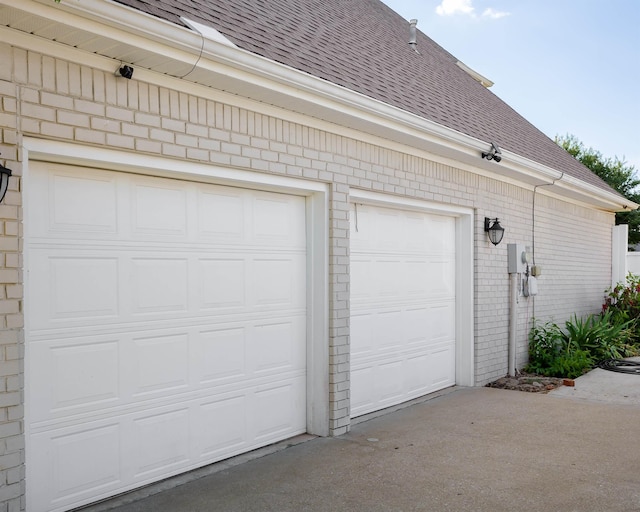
x: 513, y: 322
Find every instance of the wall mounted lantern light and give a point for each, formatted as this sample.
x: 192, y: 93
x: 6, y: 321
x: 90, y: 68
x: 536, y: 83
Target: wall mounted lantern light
x: 495, y: 231
x: 4, y: 181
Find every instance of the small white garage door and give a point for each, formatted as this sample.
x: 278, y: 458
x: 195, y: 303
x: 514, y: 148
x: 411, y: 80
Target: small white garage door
x: 402, y: 306
x: 166, y: 328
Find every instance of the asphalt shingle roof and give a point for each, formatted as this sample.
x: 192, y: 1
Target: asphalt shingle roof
x: 363, y: 45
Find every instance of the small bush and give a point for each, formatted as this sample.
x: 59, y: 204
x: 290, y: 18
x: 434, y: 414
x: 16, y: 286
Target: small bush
x: 570, y: 365
x: 602, y: 336
x: 573, y: 351
x: 553, y: 354
x: 545, y: 345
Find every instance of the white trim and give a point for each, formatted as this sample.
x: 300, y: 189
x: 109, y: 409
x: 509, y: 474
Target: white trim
x: 465, y: 334
x: 90, y: 156
x: 317, y: 195
x: 376, y: 198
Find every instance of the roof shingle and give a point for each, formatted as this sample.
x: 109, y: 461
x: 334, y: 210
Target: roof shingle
x: 363, y: 45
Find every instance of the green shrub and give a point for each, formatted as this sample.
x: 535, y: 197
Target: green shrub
x: 570, y: 365
x: 545, y: 345
x: 622, y: 302
x: 552, y: 353
x: 602, y: 336
x: 573, y: 351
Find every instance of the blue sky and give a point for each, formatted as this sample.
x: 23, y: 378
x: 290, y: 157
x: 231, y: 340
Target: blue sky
x: 568, y: 66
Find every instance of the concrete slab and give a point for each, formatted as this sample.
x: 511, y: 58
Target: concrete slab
x: 474, y: 449
x: 603, y: 386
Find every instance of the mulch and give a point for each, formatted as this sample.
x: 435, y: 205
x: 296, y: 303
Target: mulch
x: 527, y: 382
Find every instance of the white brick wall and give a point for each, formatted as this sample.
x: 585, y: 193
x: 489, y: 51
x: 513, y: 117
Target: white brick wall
x: 11, y: 337
x: 46, y: 97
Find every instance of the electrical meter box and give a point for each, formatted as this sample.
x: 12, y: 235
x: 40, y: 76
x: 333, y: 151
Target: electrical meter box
x: 517, y: 258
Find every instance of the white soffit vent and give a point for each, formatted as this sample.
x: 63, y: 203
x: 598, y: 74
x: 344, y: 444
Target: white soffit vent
x: 206, y: 31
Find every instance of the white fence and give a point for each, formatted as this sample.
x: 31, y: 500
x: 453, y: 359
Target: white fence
x: 633, y: 262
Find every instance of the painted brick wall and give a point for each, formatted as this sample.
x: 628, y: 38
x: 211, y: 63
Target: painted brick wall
x: 49, y: 98
x: 11, y: 336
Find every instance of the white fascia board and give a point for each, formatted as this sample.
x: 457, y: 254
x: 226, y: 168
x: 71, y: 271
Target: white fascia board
x: 127, y: 25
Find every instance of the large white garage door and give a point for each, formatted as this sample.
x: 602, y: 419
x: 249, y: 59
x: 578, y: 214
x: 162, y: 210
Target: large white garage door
x: 166, y: 328
x: 402, y: 306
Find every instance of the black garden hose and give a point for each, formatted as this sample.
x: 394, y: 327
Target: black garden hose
x: 620, y: 366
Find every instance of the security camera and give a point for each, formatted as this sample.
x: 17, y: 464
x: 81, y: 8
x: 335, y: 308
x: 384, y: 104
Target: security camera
x: 126, y: 72
x: 493, y: 154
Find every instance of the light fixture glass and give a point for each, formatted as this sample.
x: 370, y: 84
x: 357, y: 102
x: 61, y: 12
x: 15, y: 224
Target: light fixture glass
x: 495, y: 231
x: 4, y: 181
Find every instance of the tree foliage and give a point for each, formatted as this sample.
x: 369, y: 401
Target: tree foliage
x: 616, y: 172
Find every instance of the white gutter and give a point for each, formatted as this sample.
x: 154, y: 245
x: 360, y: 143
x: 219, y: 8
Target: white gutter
x: 130, y: 26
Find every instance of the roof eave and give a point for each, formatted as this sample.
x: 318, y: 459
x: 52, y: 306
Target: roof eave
x: 238, y: 71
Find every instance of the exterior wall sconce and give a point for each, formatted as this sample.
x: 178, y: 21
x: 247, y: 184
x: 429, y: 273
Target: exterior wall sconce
x: 493, y: 228
x: 4, y: 181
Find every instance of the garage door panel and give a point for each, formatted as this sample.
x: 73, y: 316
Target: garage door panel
x: 159, y: 285
x: 402, y: 306
x: 442, y: 320
x: 222, y: 354
x: 77, y: 463
x: 161, y: 443
x: 415, y: 274
x: 220, y: 426
x: 443, y: 365
x: 81, y: 288
x: 417, y: 379
x: 359, y: 274
x: 94, y: 365
x: 161, y: 363
x: 362, y: 382
x: 387, y: 234
x: 72, y: 203
x: 275, y: 280
x: 361, y: 329
x: 417, y: 326
x: 271, y: 347
x: 159, y: 207
x: 390, y: 384
x: 169, y: 328
x: 271, y: 416
x: 275, y: 221
x: 441, y: 278
x: 221, y: 214
x: 223, y: 281
x: 388, y: 330
x: 441, y: 235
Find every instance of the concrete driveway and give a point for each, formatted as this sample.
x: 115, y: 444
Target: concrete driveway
x: 469, y: 449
